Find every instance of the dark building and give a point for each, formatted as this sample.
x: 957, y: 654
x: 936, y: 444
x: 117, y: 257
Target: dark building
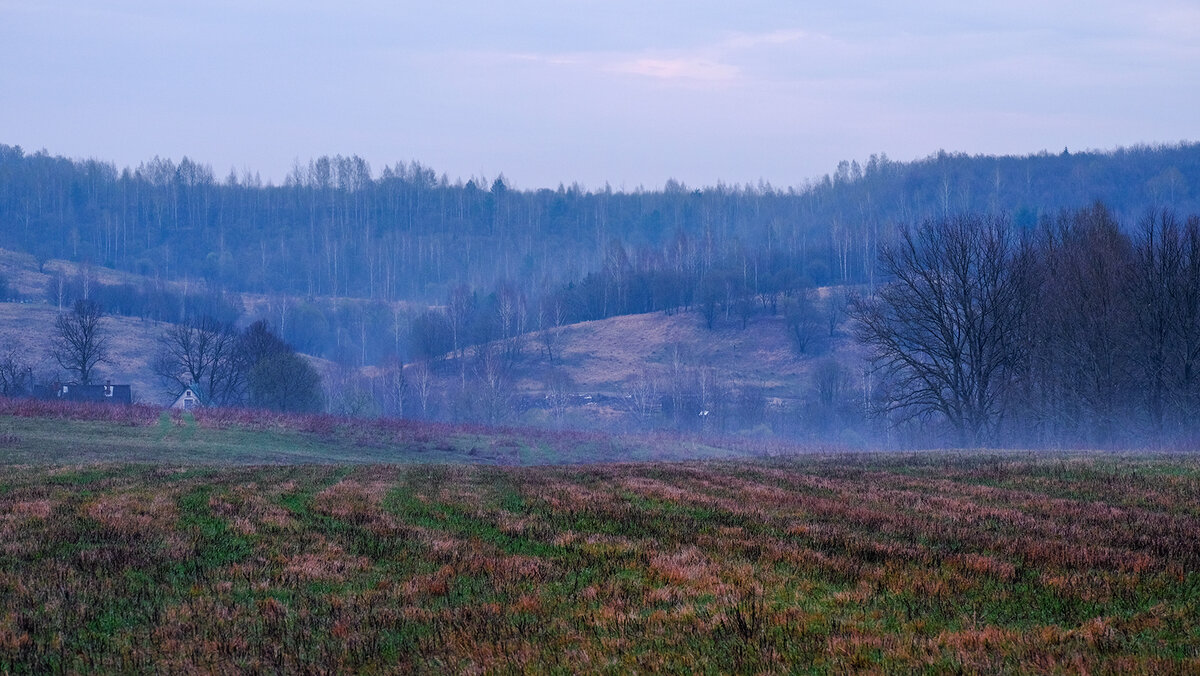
x: 106, y: 393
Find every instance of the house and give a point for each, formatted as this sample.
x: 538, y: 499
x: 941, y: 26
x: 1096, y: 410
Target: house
x: 104, y: 394
x: 193, y: 396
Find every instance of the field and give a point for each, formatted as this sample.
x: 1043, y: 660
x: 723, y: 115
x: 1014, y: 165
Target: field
x: 36, y: 432
x: 813, y: 563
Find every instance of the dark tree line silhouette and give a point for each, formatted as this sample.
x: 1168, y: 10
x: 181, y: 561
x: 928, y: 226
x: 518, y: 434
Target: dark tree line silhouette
x: 1075, y: 333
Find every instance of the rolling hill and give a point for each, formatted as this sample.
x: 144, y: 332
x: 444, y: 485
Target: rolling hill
x: 657, y: 370
x: 597, y: 367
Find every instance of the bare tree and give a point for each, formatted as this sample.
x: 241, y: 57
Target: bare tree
x: 395, y: 387
x: 458, y: 314
x: 944, y: 331
x: 829, y: 381
x: 642, y: 395
x: 1160, y: 257
x: 493, y: 394
x: 560, y: 388
x: 201, y: 352
x: 1187, y: 327
x: 16, y: 375
x: 510, y: 313
x: 349, y: 393
x: 550, y: 320
x: 835, y: 309
x: 714, y: 395
x: 81, y: 343
x: 1082, y: 350
x: 804, y: 323
x: 422, y: 384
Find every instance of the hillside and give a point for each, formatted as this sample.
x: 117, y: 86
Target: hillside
x: 610, y: 355
x: 622, y: 371
x: 28, y: 328
x: 602, y: 364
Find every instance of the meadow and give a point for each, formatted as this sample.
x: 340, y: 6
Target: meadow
x: 263, y: 560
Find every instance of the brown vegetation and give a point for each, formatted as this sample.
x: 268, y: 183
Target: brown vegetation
x: 943, y: 562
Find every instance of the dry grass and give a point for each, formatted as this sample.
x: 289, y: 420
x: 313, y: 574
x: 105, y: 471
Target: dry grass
x: 933, y: 563
x: 611, y: 352
x: 608, y: 359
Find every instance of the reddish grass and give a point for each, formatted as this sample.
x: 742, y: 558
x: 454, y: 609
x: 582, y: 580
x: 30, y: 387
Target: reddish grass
x: 877, y: 564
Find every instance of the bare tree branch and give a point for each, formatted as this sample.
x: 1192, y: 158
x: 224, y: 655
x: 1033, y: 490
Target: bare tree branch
x: 81, y: 343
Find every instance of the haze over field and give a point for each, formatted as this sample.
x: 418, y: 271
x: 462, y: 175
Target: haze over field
x: 624, y: 92
x: 394, y: 192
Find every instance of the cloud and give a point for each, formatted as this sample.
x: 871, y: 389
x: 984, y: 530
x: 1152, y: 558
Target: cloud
x: 721, y: 61
x: 693, y: 68
x: 680, y: 67
x: 743, y: 41
x: 549, y: 59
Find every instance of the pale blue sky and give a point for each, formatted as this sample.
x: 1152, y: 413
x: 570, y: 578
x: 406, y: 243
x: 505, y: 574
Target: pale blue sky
x: 631, y: 92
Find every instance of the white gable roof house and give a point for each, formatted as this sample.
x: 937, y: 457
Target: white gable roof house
x: 193, y: 396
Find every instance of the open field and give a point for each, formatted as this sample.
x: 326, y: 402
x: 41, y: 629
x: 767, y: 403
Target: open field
x: 63, y: 433
x: 941, y: 562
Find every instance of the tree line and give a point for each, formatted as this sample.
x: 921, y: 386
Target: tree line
x: 335, y: 227
x: 1075, y: 333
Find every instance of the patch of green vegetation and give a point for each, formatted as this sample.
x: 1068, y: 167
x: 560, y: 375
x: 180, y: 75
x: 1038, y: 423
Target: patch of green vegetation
x: 215, y: 543
x: 82, y: 477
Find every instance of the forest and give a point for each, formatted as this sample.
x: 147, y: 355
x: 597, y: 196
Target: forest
x: 336, y: 228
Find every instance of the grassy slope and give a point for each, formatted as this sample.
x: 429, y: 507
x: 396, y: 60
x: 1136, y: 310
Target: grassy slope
x: 24, y: 276
x: 605, y: 357
x: 29, y: 328
x: 939, y: 562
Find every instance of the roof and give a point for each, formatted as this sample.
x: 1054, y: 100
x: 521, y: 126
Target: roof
x: 199, y: 397
x: 108, y: 393
x: 200, y: 391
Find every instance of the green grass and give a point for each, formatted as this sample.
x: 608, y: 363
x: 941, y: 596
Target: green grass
x: 273, y: 549
x: 187, y: 440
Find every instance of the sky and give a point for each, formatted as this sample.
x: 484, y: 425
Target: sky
x: 624, y: 92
